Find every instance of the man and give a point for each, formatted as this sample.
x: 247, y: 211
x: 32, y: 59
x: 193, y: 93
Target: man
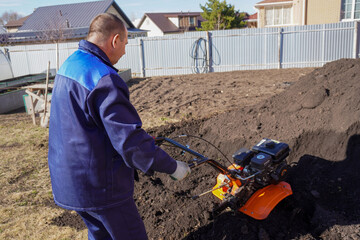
x: 96, y: 140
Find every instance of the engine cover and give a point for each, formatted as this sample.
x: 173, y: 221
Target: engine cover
x: 243, y: 156
x: 260, y: 161
x: 277, y: 150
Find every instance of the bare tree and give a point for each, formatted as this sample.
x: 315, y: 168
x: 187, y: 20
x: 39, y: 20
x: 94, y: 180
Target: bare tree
x: 56, y: 29
x: 4, y: 39
x: 9, y: 16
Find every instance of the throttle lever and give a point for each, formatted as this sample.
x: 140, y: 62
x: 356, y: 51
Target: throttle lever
x: 183, y: 151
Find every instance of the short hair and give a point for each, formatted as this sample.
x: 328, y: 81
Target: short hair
x: 106, y: 24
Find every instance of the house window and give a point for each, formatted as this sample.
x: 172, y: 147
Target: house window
x: 192, y: 21
x: 275, y: 16
x: 350, y: 9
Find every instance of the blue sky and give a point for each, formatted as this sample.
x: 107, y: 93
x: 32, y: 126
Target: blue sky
x: 133, y: 9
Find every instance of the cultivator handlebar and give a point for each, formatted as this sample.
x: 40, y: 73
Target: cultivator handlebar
x: 253, y: 184
x: 200, y: 159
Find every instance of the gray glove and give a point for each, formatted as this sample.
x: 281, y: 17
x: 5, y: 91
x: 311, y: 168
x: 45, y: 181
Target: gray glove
x: 182, y: 170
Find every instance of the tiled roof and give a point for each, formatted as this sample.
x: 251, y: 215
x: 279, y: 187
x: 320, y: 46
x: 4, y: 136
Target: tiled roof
x: 17, y: 23
x: 253, y: 17
x: 76, y: 15
x: 182, y: 14
x: 272, y: 1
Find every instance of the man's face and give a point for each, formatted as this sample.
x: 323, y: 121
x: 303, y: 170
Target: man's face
x: 119, y: 49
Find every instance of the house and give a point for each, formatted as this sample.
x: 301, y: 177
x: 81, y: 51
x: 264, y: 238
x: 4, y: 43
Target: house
x: 160, y: 24
x: 66, y: 22
x: 13, y: 26
x: 274, y: 13
x: 251, y: 21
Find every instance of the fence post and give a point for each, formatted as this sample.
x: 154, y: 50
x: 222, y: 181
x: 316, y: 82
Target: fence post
x: 280, y: 47
x: 323, y: 44
x: 141, y: 57
x: 57, y: 56
x: 356, y: 38
x: 265, y: 49
x: 27, y: 60
x: 208, y: 51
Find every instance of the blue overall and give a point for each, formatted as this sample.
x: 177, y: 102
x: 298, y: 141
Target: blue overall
x: 96, y: 140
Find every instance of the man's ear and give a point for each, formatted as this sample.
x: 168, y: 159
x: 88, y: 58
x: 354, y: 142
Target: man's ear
x: 114, y: 40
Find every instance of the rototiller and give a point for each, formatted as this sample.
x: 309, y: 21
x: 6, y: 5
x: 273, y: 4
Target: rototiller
x: 253, y: 184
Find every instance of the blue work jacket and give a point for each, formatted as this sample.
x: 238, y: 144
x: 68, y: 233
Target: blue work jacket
x: 95, y: 135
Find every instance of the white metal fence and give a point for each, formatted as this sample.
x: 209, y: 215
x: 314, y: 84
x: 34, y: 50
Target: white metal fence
x: 5, y: 67
x: 214, y: 51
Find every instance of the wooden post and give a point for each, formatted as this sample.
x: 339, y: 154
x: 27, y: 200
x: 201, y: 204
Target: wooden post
x: 208, y: 61
x: 45, y: 119
x: 33, y: 110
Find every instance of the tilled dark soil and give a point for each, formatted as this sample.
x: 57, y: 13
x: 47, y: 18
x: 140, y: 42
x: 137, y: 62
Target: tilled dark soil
x: 319, y: 117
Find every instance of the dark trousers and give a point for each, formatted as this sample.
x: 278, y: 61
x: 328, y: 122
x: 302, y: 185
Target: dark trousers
x: 120, y: 222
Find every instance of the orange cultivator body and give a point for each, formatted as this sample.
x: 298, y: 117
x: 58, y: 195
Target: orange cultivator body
x: 253, y: 184
x: 261, y: 203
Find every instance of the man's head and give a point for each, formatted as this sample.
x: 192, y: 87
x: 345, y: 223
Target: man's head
x: 109, y: 33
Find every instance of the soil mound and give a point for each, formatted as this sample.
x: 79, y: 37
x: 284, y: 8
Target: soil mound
x: 171, y: 98
x: 318, y: 117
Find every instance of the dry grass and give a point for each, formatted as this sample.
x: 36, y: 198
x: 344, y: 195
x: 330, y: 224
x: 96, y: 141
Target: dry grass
x: 27, y: 210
